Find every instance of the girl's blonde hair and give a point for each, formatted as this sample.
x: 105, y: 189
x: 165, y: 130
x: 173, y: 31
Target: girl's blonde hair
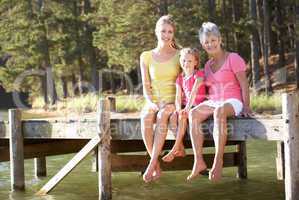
x: 167, y: 19
x: 192, y: 51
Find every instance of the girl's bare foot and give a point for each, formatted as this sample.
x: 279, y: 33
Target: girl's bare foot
x: 174, y: 153
x: 216, y: 171
x: 198, y: 166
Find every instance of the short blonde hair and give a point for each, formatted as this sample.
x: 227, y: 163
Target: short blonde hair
x: 192, y: 51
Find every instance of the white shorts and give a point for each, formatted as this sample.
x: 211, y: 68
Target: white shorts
x: 236, y: 104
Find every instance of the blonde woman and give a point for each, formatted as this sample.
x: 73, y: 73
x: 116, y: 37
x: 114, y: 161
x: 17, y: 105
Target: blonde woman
x: 159, y: 69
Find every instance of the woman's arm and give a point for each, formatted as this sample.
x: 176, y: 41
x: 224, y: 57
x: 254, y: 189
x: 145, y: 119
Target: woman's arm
x: 194, y: 90
x: 241, y: 76
x: 146, y: 83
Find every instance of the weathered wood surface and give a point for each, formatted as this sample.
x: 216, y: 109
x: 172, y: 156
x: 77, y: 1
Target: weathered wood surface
x: 290, y: 109
x: 70, y: 165
x: 104, y: 151
x: 40, y: 167
x: 126, y: 127
x: 16, y: 151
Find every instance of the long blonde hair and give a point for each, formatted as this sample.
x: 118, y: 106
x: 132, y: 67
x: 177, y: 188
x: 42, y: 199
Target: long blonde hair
x: 167, y: 19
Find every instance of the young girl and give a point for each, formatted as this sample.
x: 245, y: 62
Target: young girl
x: 190, y: 91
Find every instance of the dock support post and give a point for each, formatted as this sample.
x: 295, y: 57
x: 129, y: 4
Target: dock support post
x: 16, y: 150
x: 242, y: 168
x: 104, y: 151
x: 280, y: 170
x: 40, y: 167
x: 290, y: 110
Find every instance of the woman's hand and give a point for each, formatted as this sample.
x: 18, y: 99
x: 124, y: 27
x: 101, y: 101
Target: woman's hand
x: 247, y: 112
x: 153, y: 106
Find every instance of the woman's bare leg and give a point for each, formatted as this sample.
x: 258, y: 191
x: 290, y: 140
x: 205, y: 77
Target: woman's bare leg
x: 220, y: 137
x: 196, y: 116
x: 148, y: 117
x: 178, y: 149
x: 159, y: 139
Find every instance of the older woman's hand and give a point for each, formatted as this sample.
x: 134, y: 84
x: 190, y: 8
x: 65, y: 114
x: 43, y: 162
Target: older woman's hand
x: 247, y: 112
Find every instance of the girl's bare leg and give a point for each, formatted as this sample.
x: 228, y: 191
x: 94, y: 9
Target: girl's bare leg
x: 178, y: 149
x: 196, y: 116
x: 159, y: 139
x: 220, y: 137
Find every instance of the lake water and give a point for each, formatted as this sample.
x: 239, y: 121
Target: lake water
x: 82, y: 183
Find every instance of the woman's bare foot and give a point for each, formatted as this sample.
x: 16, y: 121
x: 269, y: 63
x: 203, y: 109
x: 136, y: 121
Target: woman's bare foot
x: 216, y: 171
x: 149, y: 172
x: 198, y: 166
x: 157, y: 172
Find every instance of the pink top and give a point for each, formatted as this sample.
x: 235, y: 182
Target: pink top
x: 187, y: 83
x: 223, y: 84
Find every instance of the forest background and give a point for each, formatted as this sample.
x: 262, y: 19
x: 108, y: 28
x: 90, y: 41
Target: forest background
x: 60, y: 49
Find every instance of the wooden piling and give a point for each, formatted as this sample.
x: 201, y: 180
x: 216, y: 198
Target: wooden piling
x: 16, y: 150
x: 290, y: 110
x: 40, y: 167
x: 104, y: 151
x: 280, y: 170
x: 242, y: 167
x: 94, y: 165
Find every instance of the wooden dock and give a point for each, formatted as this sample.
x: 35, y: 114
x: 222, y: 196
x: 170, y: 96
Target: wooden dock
x: 111, y: 134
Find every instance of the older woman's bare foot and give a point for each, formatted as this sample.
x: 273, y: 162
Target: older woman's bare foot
x: 198, y: 166
x: 216, y: 171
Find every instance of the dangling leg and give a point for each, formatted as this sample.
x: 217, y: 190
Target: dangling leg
x: 220, y: 137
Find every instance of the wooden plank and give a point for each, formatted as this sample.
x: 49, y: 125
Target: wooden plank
x: 129, y: 129
x: 123, y: 163
x: 280, y: 170
x: 40, y: 167
x: 290, y: 108
x: 242, y: 167
x: 16, y: 149
x: 104, y: 151
x: 70, y: 166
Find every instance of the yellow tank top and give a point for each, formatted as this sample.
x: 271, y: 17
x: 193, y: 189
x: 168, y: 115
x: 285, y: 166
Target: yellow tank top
x: 162, y: 76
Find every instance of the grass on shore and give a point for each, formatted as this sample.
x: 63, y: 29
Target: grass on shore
x: 134, y: 103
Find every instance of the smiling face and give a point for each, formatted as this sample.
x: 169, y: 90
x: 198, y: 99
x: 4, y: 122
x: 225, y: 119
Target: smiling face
x: 165, y: 34
x: 188, y: 63
x: 211, y: 44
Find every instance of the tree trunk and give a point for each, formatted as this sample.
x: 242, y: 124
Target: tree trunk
x: 281, y: 31
x: 46, y: 63
x: 64, y: 87
x: 211, y: 7
x: 163, y: 7
x: 254, y: 45
x: 296, y: 14
x: 79, y: 46
x: 266, y: 47
x: 43, y: 80
x: 260, y: 26
x: 226, y: 35
x: 90, y: 48
x: 234, y: 20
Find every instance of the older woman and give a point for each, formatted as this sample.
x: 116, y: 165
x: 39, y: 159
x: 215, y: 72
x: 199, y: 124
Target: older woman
x: 228, y: 95
x: 159, y: 69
